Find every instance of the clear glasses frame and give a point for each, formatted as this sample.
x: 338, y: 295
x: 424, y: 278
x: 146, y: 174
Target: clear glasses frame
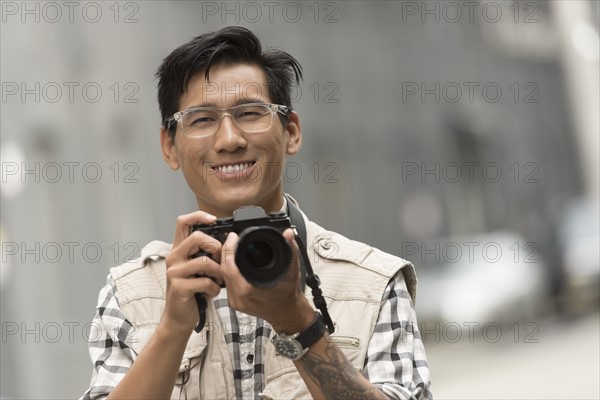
x: 234, y: 113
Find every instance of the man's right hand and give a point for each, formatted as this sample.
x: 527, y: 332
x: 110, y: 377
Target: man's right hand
x: 154, y: 372
x: 181, y: 309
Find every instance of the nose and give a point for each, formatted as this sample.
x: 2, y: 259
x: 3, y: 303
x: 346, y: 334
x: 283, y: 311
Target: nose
x: 228, y: 137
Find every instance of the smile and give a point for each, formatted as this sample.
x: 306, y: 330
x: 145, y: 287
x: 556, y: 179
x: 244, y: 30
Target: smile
x: 233, y: 168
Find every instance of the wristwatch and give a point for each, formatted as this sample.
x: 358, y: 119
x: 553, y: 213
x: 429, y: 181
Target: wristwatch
x: 296, y: 345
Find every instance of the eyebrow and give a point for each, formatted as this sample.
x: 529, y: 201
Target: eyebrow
x: 237, y: 103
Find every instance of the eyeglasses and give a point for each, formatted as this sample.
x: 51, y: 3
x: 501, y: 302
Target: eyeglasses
x: 201, y: 122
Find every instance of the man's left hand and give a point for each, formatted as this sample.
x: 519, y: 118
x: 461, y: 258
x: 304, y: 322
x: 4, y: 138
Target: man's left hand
x: 284, y: 306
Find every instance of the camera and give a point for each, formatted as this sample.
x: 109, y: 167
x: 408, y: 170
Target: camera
x: 262, y: 254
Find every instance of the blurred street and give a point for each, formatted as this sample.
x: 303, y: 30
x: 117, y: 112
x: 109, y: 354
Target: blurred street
x: 563, y: 364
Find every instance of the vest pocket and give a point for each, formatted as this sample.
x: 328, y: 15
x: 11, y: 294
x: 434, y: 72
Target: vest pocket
x: 182, y: 379
x: 282, y: 379
x: 214, y: 381
x: 351, y: 347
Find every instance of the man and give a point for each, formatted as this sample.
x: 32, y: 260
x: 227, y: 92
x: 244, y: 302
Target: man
x: 228, y: 125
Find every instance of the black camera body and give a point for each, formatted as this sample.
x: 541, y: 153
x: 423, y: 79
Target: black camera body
x: 262, y: 254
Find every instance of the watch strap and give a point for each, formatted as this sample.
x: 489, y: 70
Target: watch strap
x: 314, y: 332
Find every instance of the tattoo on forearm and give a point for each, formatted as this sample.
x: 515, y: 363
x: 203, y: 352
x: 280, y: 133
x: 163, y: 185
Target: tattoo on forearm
x: 336, y: 377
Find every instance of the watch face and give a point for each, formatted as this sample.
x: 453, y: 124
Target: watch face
x: 288, y: 347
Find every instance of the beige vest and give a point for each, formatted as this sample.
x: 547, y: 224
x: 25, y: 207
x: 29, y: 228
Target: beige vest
x: 353, y: 275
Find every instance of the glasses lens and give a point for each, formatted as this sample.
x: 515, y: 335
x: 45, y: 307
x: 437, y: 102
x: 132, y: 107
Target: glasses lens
x: 253, y: 117
x: 200, y: 122
x: 205, y: 122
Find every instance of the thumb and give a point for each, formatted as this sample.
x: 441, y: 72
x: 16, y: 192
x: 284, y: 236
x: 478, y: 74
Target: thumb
x: 228, y: 250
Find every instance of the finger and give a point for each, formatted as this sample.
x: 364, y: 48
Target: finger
x: 191, y: 246
x: 290, y: 236
x: 198, y: 267
x: 203, y: 285
x: 228, y: 249
x: 200, y: 242
x: 185, y: 222
x: 229, y: 269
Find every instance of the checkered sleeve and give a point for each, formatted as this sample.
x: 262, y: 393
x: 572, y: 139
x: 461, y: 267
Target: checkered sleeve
x: 108, y: 350
x: 396, y: 361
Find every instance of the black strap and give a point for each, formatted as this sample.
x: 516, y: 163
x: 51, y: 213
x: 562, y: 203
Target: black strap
x: 202, y: 306
x: 308, y: 276
x: 298, y: 222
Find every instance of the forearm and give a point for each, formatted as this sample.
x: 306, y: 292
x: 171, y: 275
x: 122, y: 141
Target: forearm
x: 329, y: 375
x: 153, y: 374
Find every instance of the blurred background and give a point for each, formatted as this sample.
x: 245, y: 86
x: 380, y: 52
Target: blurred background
x: 462, y: 136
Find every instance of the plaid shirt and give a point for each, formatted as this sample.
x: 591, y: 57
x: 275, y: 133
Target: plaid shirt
x: 395, y: 362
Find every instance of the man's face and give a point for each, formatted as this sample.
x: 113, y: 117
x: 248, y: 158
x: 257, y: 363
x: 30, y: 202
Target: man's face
x: 232, y: 168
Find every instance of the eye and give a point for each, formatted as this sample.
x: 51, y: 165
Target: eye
x: 200, y: 118
x: 250, y: 112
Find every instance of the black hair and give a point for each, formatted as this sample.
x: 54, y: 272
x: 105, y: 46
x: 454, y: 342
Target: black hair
x: 228, y: 45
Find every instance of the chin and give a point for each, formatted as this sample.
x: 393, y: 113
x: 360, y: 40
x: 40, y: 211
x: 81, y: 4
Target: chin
x: 226, y: 200
x: 224, y: 207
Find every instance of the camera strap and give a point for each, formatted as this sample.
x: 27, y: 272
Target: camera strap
x: 308, y: 276
x: 202, y: 306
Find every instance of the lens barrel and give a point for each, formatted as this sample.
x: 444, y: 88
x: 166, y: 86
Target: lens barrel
x: 262, y: 255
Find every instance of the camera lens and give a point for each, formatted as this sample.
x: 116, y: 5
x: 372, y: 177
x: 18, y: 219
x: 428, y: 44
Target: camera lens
x: 262, y: 255
x: 259, y: 254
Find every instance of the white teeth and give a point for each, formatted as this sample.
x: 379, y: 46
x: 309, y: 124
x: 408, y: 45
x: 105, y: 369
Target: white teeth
x: 230, y: 169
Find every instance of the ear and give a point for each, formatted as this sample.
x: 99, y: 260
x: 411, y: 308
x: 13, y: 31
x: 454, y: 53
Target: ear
x: 169, y: 151
x: 294, y: 130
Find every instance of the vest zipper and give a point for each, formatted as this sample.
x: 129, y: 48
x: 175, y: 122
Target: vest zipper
x: 346, y: 341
